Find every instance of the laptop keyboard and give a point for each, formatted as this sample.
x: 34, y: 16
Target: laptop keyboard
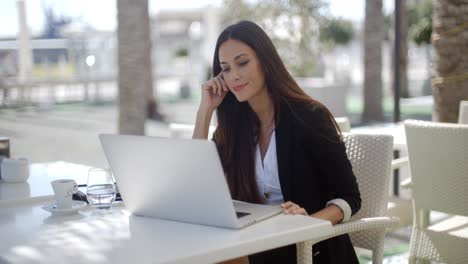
x: 241, y: 214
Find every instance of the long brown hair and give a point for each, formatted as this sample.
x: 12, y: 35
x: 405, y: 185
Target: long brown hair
x: 238, y: 125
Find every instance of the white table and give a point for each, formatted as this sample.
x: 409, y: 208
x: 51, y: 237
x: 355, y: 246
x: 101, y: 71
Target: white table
x: 38, y: 185
x: 31, y: 235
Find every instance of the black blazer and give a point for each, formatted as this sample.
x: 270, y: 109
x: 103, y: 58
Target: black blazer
x: 313, y: 169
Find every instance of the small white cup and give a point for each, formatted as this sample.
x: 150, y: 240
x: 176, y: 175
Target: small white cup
x: 64, y: 190
x: 15, y: 170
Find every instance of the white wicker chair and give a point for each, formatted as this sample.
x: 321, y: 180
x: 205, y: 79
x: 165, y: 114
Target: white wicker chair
x: 343, y: 123
x: 371, y: 157
x: 402, y: 207
x: 398, y: 206
x: 438, y: 154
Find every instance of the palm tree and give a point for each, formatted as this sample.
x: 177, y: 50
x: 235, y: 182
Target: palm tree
x: 133, y: 52
x: 373, y: 37
x: 450, y: 58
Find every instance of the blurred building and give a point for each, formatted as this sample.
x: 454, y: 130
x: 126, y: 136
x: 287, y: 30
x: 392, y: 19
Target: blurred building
x: 183, y: 43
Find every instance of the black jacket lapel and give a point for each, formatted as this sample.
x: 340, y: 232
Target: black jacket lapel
x: 283, y: 148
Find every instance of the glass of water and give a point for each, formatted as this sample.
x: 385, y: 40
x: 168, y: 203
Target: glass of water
x: 100, y: 190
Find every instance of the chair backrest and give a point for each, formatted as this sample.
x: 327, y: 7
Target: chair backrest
x: 438, y: 154
x: 371, y: 157
x: 343, y: 123
x: 463, y: 113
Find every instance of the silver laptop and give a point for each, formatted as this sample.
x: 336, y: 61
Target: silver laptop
x: 177, y: 179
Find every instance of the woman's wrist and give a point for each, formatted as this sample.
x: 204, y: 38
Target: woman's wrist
x: 205, y: 110
x: 202, y: 123
x: 332, y: 213
x: 204, y: 114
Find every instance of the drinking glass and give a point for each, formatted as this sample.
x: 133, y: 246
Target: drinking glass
x: 100, y: 190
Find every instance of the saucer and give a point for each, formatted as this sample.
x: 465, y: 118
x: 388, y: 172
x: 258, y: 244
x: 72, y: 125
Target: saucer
x: 52, y: 207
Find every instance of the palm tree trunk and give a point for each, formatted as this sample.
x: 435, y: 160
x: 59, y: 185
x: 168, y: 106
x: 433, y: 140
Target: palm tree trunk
x: 132, y: 56
x: 450, y: 58
x: 373, y: 37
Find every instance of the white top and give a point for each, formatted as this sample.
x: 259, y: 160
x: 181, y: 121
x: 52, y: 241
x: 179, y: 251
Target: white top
x: 31, y: 235
x: 267, y: 175
x: 268, y: 183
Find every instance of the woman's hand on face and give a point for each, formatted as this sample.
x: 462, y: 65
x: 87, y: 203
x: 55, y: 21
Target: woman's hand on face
x: 213, y: 92
x: 293, y: 209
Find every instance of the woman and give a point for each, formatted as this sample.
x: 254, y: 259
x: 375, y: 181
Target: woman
x: 277, y: 145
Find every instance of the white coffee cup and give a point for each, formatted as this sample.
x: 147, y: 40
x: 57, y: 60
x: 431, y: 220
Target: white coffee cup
x: 63, y: 191
x: 15, y: 170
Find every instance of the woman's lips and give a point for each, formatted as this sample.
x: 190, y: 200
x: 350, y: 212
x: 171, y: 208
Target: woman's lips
x: 239, y: 87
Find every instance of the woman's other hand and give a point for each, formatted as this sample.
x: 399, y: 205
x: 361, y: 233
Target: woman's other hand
x: 330, y: 213
x: 213, y: 93
x: 293, y: 209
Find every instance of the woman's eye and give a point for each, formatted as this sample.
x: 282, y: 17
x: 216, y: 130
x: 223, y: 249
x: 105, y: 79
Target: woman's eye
x: 243, y: 63
x: 226, y: 70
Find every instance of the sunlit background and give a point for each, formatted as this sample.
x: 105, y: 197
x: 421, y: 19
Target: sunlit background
x: 74, y: 42
x: 59, y: 68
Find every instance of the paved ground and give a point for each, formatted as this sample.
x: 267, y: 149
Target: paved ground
x: 69, y: 132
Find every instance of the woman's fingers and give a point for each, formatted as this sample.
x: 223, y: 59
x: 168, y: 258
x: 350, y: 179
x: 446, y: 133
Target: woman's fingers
x: 216, y: 86
x: 289, y: 207
x: 286, y: 205
x: 292, y: 208
x: 300, y: 211
x: 208, y: 85
x: 219, y: 86
x: 211, y: 86
x: 226, y: 89
x: 223, y: 83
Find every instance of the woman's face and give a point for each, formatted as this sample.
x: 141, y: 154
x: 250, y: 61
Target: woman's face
x: 241, y: 70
